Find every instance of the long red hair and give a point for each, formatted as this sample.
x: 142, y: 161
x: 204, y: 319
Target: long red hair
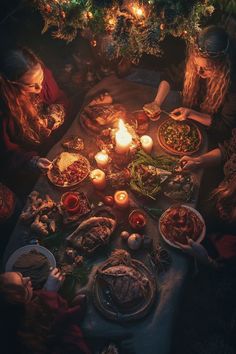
x: 14, y: 101
x: 216, y: 85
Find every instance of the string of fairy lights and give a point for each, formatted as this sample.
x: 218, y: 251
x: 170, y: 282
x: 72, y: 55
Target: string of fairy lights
x: 124, y: 28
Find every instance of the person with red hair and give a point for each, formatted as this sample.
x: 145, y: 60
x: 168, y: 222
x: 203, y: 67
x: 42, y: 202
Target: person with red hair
x: 32, y: 110
x: 39, y: 321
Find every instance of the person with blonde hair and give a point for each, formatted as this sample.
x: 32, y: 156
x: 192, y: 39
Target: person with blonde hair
x: 209, y: 90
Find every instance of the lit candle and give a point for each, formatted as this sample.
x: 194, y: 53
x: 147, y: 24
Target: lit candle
x: 121, y: 199
x: 147, y: 143
x: 102, y: 159
x: 98, y: 179
x: 123, y: 138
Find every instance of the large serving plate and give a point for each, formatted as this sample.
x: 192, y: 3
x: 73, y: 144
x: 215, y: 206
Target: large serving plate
x: 180, y: 187
x: 73, y: 175
x: 110, y: 310
x: 25, y: 250
x: 179, y: 138
x: 168, y: 238
x: 94, y: 119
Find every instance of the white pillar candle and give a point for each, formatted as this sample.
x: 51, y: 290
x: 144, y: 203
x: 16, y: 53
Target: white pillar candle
x: 98, y: 179
x: 121, y: 199
x: 123, y: 138
x: 147, y: 143
x: 102, y: 159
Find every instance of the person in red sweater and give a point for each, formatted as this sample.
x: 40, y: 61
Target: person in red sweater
x: 41, y: 319
x: 32, y: 108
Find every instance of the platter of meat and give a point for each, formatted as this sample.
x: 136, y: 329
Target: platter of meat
x: 179, y: 138
x: 124, y: 289
x: 32, y: 261
x: 68, y: 170
x: 147, y: 173
x: 96, y: 118
x: 73, y: 144
x: 180, y: 222
x: 180, y: 187
x: 92, y: 234
x: 42, y: 214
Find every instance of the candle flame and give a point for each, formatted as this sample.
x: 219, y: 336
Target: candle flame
x: 123, y: 138
x: 122, y: 133
x: 122, y: 126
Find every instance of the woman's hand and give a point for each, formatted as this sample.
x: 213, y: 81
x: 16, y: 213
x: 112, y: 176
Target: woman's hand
x: 190, y: 163
x: 180, y: 113
x: 43, y: 164
x: 196, y: 250
x: 54, y: 281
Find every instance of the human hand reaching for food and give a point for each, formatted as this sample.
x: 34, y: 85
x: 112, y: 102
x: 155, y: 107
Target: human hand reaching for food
x: 195, y: 250
x: 180, y: 114
x: 152, y: 110
x: 43, y: 164
x: 54, y: 281
x: 40, y: 163
x: 190, y: 163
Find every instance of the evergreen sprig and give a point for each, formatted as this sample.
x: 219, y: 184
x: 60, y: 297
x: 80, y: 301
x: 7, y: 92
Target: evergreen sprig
x: 132, y: 33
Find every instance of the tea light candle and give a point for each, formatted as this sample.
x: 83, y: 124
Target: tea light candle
x: 123, y: 138
x: 147, y: 143
x: 102, y: 159
x: 98, y: 179
x: 121, y: 199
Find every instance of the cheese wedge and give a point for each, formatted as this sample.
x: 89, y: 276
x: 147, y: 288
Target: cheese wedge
x: 65, y: 160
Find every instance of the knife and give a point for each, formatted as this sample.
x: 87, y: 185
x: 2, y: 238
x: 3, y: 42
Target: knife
x: 167, y: 113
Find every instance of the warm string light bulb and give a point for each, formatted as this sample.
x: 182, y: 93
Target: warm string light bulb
x: 88, y: 15
x: 138, y: 11
x: 111, y: 23
x: 93, y: 43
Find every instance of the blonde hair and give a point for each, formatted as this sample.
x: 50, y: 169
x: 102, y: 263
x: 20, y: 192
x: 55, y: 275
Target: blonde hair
x: 216, y: 87
x: 225, y: 197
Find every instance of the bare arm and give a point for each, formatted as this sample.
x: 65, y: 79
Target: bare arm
x: 202, y: 118
x: 212, y: 158
x: 209, y: 159
x: 183, y: 113
x: 162, y: 92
